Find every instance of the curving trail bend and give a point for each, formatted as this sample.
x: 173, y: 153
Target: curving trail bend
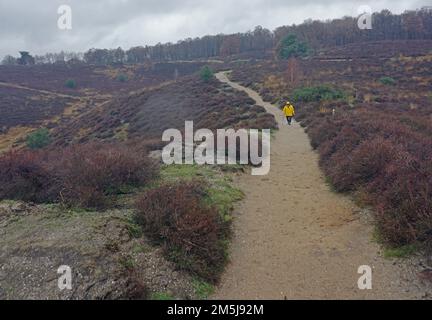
x: 296, y: 239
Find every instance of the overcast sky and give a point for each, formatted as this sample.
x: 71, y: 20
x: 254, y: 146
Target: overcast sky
x: 32, y: 25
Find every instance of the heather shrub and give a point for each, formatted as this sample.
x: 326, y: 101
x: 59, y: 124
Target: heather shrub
x: 340, y: 146
x: 80, y: 175
x: 366, y: 163
x: 191, y: 232
x: 389, y: 162
x: 322, y: 131
x: 24, y: 176
x: 404, y: 203
x: 93, y: 172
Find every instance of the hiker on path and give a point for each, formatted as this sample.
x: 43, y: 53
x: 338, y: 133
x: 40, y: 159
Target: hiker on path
x: 289, y: 112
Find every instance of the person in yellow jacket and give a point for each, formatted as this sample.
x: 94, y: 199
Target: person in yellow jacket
x: 289, y: 112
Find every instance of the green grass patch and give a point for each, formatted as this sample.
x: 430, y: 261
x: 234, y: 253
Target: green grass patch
x: 330, y: 184
x: 220, y: 193
x: 161, y: 296
x: 400, y: 252
x: 127, y: 262
x: 377, y: 236
x: 393, y: 252
x: 223, y: 195
x: 140, y: 248
x: 203, y: 290
x: 134, y: 230
x: 174, y: 173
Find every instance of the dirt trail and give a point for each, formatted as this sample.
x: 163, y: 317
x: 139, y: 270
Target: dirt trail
x: 296, y: 239
x: 52, y: 93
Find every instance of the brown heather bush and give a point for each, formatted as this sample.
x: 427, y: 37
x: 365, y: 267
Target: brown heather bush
x: 403, y: 197
x: 364, y: 164
x: 341, y: 145
x: 404, y: 215
x: 321, y: 131
x: 386, y: 159
x: 24, y: 176
x: 191, y: 232
x: 93, y: 171
x: 80, y: 175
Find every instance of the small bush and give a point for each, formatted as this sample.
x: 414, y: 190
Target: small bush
x: 315, y: 94
x: 322, y: 131
x: 25, y: 176
x: 387, y: 81
x: 70, y: 83
x: 404, y: 202
x: 365, y: 164
x: 192, y: 233
x: 38, y: 139
x: 206, y: 74
x: 122, y: 77
x: 93, y: 172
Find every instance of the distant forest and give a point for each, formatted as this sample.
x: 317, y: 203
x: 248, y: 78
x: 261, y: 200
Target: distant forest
x: 410, y: 25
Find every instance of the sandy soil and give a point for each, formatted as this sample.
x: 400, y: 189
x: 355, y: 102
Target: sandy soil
x: 296, y: 239
x: 106, y: 259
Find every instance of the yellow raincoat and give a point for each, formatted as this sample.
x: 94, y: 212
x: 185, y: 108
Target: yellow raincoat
x: 289, y: 110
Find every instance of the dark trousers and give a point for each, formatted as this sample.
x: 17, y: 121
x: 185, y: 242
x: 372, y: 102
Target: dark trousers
x: 289, y: 119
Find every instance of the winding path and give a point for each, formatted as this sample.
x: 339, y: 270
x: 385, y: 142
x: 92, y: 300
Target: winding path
x: 296, y: 239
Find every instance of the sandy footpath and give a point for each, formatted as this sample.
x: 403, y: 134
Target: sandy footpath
x: 296, y: 239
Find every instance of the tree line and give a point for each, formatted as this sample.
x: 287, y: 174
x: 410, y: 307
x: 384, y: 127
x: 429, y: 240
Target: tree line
x: 410, y: 25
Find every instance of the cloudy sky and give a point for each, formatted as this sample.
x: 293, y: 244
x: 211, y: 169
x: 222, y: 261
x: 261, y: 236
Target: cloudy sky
x: 32, y: 25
